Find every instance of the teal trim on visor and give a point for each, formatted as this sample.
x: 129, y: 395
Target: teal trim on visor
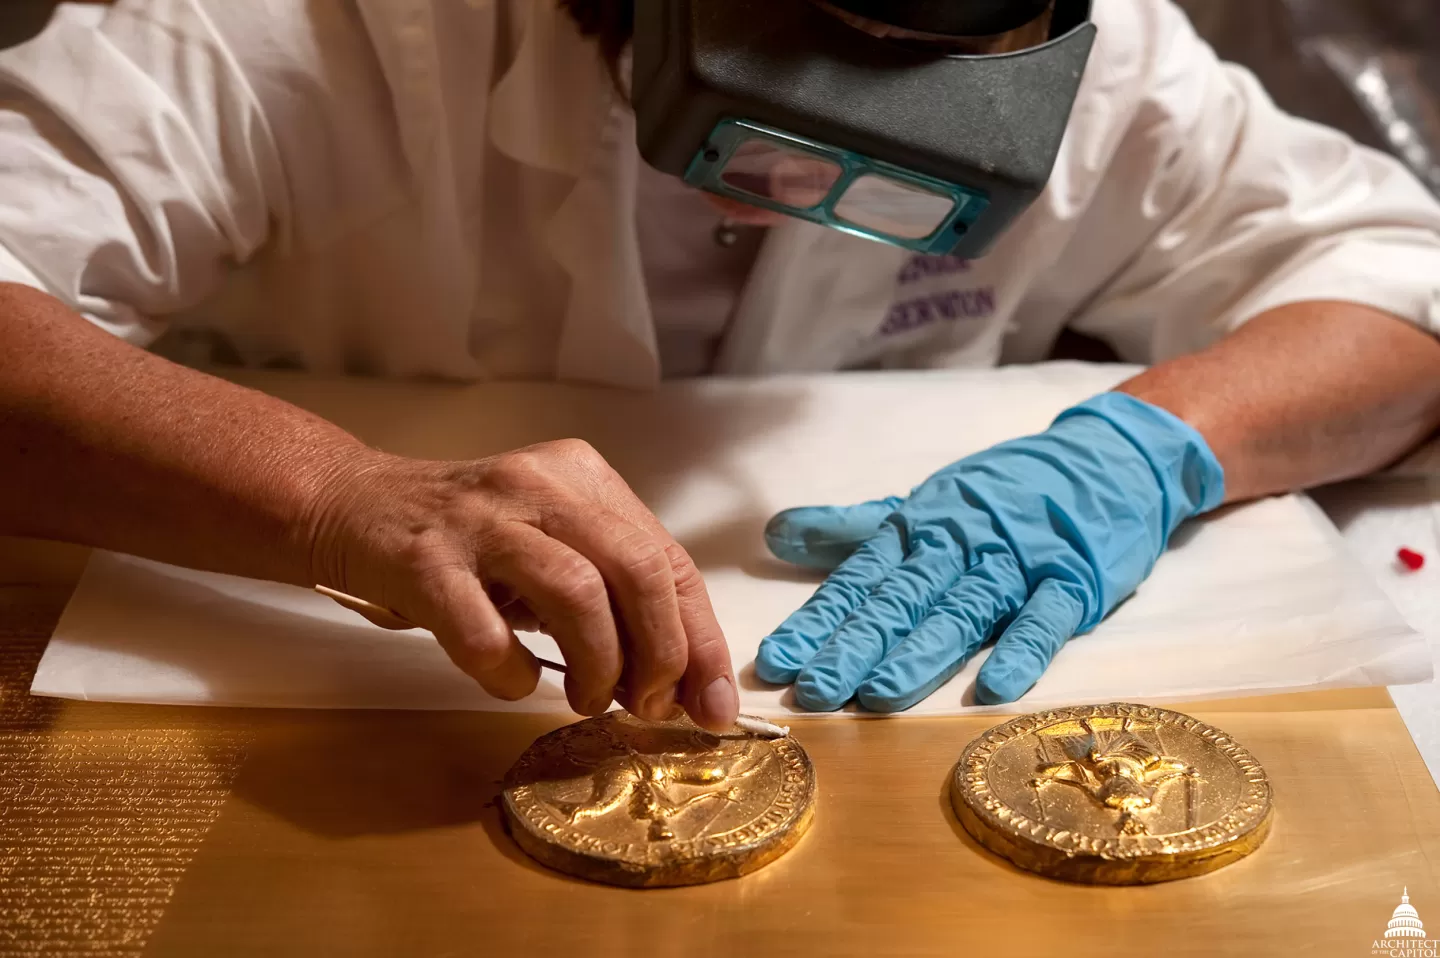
x: 707, y: 169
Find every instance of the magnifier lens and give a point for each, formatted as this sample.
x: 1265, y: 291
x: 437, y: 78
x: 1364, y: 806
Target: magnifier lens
x: 897, y: 209
x: 781, y: 174
x: 831, y: 186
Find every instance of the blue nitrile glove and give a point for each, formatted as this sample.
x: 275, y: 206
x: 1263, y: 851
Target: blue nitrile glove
x: 1032, y: 541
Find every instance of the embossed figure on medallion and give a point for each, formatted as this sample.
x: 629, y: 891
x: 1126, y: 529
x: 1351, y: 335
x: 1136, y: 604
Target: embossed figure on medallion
x: 1118, y: 769
x: 658, y: 787
x: 650, y: 804
x: 1115, y: 794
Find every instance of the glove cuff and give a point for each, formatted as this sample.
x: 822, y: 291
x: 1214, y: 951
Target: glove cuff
x: 1191, y: 479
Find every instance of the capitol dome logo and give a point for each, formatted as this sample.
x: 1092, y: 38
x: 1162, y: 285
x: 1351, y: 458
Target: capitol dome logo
x: 1406, y: 922
x: 1405, y: 934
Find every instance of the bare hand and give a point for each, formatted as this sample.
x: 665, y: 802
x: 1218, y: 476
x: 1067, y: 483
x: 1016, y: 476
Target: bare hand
x: 546, y: 537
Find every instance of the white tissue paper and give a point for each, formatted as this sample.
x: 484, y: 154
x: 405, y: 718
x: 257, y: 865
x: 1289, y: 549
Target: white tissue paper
x: 1260, y: 598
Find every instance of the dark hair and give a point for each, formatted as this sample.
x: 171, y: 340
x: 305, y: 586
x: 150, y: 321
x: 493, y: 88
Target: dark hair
x: 610, y: 22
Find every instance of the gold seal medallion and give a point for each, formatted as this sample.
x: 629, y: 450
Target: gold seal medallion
x: 649, y: 804
x: 1112, y: 795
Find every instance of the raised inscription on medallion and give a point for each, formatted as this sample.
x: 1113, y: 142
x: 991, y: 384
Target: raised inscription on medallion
x: 627, y: 802
x: 1112, y: 794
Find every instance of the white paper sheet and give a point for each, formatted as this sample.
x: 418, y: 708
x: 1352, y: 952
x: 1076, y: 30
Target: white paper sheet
x: 1256, y: 599
x: 1377, y: 517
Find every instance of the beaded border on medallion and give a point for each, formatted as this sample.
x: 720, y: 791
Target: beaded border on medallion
x: 1250, y: 812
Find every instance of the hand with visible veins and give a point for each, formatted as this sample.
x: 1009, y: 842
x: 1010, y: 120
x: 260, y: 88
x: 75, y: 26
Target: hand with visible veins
x: 547, y: 538
x: 124, y: 450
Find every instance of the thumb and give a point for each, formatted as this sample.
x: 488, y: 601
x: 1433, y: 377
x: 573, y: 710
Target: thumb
x: 822, y: 537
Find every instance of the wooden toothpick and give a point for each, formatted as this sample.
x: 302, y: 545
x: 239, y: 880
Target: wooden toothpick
x: 389, y: 619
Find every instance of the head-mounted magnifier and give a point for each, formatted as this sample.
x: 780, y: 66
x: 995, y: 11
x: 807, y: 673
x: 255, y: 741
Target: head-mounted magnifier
x: 927, y: 124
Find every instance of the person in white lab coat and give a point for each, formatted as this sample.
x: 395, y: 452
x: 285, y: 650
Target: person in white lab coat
x: 435, y: 188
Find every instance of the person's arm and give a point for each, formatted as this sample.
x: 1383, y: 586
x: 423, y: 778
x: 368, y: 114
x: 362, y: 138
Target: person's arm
x: 109, y: 446
x: 1303, y: 395
x: 1200, y: 208
x: 144, y: 155
x: 1035, y: 540
x: 1285, y: 285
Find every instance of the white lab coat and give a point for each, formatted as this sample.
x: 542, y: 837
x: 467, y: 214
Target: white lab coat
x: 448, y: 188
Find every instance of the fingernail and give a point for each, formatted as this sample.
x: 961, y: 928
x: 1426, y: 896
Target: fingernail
x: 719, y: 704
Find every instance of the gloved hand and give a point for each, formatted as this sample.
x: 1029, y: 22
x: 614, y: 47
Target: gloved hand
x: 1032, y: 541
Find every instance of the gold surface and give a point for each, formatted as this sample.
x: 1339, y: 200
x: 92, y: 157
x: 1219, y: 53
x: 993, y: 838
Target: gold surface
x: 619, y: 800
x: 1112, y: 794
x: 97, y: 824
x: 377, y: 834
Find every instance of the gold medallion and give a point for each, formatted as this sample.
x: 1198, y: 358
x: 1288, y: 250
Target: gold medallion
x: 650, y: 804
x: 1112, y: 795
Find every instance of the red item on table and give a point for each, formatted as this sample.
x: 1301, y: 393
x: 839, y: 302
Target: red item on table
x: 1410, y: 559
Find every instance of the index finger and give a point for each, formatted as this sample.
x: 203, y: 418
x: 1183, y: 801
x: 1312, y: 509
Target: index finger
x: 790, y: 648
